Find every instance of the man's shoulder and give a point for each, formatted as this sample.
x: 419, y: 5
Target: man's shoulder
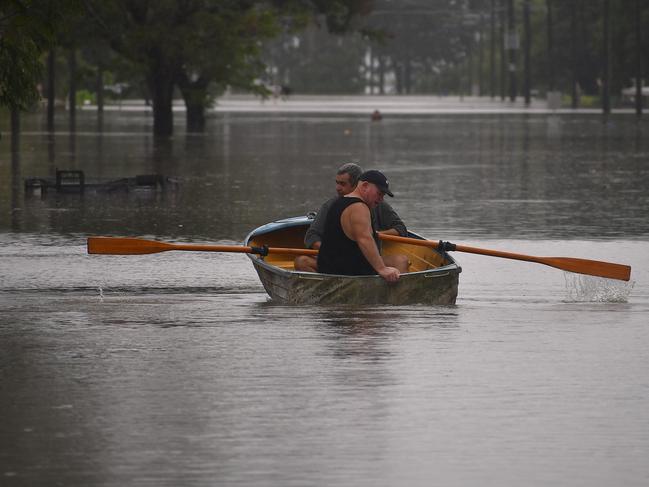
x: 384, y: 206
x: 327, y: 204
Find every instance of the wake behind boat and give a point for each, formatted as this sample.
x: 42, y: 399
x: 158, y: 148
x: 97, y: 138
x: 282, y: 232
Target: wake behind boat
x: 432, y: 276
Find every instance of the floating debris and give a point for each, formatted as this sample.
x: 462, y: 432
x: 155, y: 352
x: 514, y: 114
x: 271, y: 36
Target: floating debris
x: 74, y: 181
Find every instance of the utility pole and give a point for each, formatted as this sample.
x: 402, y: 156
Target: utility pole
x: 528, y: 48
x: 481, y: 55
x: 550, y: 26
x: 638, y: 60
x: 606, y: 60
x: 503, y: 52
x: 573, y: 54
x: 492, y: 53
x: 512, y: 45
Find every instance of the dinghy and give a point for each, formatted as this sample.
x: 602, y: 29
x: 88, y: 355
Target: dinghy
x: 432, y: 276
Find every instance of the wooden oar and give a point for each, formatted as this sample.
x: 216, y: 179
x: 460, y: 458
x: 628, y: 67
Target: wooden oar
x: 138, y: 246
x: 579, y: 266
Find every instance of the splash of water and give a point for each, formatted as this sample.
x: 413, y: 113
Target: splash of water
x: 581, y: 288
x: 101, y: 293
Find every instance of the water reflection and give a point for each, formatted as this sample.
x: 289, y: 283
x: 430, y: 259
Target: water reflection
x: 495, y: 176
x: 361, y: 333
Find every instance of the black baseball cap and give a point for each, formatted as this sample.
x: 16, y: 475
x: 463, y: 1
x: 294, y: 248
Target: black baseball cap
x: 378, y: 178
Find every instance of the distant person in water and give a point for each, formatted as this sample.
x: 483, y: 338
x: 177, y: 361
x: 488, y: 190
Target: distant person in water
x: 384, y: 218
x: 350, y: 243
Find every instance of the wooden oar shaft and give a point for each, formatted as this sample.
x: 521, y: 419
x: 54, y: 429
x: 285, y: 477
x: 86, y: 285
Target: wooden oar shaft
x: 138, y: 246
x: 580, y: 266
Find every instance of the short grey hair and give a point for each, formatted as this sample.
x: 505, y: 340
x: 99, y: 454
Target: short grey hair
x: 354, y: 171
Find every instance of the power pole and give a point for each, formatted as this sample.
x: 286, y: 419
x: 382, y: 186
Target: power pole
x: 528, y: 48
x: 606, y: 60
x: 481, y: 56
x: 550, y: 46
x: 492, y: 53
x: 638, y: 61
x: 573, y: 54
x: 512, y: 45
x: 503, y: 52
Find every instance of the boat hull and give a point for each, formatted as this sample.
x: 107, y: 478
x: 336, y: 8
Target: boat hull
x: 435, y: 286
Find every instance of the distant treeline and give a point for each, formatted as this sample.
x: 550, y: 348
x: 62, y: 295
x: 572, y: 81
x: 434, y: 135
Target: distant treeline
x: 92, y: 51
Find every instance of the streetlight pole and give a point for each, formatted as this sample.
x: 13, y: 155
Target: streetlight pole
x: 528, y: 48
x: 512, y: 45
x: 503, y: 53
x: 606, y: 58
x: 638, y: 61
x: 492, y: 54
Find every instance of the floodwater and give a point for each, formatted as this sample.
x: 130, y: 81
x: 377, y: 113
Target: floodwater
x: 175, y: 369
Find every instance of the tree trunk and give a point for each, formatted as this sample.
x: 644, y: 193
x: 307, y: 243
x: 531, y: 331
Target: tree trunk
x: 195, y: 97
x: 72, y: 67
x: 161, y: 86
x: 15, y: 130
x: 50, y: 89
x: 100, y: 88
x: 195, y: 117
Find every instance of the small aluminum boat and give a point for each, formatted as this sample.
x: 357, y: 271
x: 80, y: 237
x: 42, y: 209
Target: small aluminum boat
x: 432, y: 277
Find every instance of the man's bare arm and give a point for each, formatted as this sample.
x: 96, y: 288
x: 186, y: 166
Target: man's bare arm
x: 357, y: 226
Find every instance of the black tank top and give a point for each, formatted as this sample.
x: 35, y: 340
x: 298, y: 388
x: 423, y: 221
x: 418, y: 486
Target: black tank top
x: 339, y: 254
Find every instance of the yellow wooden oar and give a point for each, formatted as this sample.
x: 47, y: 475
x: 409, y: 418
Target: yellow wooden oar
x: 138, y: 246
x: 571, y: 264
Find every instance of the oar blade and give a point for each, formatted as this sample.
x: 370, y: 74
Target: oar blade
x: 597, y: 268
x: 125, y: 246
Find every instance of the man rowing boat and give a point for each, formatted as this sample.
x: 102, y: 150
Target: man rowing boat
x: 349, y: 244
x: 384, y: 218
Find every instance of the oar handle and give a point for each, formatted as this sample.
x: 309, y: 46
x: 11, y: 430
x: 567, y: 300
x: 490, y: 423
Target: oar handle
x: 263, y: 250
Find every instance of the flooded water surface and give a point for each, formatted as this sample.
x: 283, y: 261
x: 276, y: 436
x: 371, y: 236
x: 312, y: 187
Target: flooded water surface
x: 176, y: 369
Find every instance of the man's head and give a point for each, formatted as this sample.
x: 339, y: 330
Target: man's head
x: 347, y: 178
x: 373, y: 185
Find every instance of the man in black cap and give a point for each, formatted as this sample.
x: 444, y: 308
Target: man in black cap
x: 384, y: 218
x: 349, y: 244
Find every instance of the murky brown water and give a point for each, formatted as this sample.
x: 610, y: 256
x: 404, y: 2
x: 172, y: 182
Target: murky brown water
x: 173, y: 369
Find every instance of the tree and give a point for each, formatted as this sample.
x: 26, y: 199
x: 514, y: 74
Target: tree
x: 193, y: 44
x: 27, y: 29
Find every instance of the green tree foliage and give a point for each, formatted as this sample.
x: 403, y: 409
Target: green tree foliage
x: 195, y: 44
x: 27, y: 28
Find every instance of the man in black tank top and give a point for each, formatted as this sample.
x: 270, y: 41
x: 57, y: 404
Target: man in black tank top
x: 384, y: 218
x: 349, y: 242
